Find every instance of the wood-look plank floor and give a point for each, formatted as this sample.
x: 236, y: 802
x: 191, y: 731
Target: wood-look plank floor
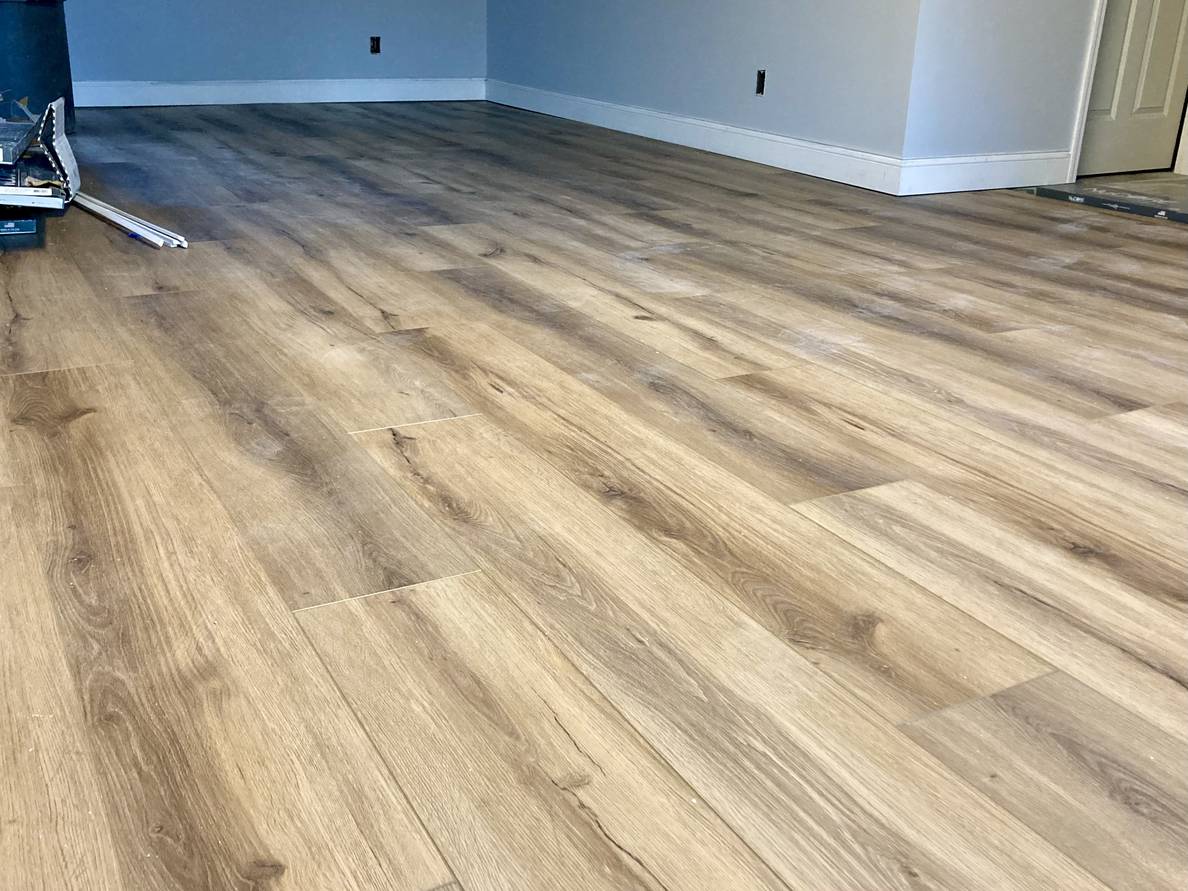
x: 486, y: 501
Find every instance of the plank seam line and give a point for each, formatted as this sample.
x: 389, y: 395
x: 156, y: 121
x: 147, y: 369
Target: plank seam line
x: 979, y: 431
x: 473, y: 414
x: 975, y: 699
x: 114, y: 363
x: 350, y: 706
x: 444, y: 578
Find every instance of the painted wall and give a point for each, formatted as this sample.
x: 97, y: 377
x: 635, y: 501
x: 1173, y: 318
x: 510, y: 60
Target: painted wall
x: 996, y: 78
x: 159, y: 40
x: 837, y: 72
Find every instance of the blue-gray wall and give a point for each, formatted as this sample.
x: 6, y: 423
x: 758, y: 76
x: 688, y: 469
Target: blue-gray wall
x: 905, y: 78
x: 1003, y: 77
x: 838, y: 72
x: 199, y: 40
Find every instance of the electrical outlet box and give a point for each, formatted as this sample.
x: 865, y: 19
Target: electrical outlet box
x: 375, y: 46
x: 760, y: 81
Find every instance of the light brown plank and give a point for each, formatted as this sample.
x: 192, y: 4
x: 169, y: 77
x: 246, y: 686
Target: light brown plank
x: 273, y: 344
x: 117, y: 266
x: 55, y: 833
x: 1102, y: 785
x: 223, y: 752
x: 825, y: 792
x: 523, y: 247
x: 49, y: 316
x: 1166, y: 425
x: 310, y: 505
x: 845, y: 612
x: 308, y: 502
x: 1141, y: 374
x: 548, y: 786
x: 1116, y: 640
x: 1125, y: 525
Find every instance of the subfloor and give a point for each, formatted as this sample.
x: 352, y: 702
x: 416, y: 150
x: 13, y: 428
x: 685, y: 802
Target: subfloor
x: 488, y: 501
x: 1161, y: 195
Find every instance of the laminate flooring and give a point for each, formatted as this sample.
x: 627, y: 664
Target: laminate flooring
x: 488, y: 501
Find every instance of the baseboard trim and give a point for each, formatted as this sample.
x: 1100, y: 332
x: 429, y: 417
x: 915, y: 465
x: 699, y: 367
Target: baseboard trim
x: 866, y: 169
x: 116, y: 93
x: 882, y: 173
x: 971, y: 173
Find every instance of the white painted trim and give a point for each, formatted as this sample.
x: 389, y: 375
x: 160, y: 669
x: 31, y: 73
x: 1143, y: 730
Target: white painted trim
x: 1088, y: 70
x: 883, y: 173
x: 107, y: 93
x: 866, y: 169
x: 1182, y: 156
x: 974, y: 172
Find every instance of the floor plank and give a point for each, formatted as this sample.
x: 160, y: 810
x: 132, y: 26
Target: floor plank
x: 627, y: 614
x: 549, y: 786
x: 1116, y: 640
x: 1166, y: 425
x: 54, y: 834
x: 1124, y: 525
x: 304, y: 497
x: 271, y: 344
x: 806, y: 586
x: 223, y: 752
x: 747, y: 469
x: 49, y: 316
x: 1096, y: 781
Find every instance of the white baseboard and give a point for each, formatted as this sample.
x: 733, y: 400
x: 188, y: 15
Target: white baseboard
x: 866, y: 169
x: 108, y: 93
x: 883, y: 173
x: 970, y: 173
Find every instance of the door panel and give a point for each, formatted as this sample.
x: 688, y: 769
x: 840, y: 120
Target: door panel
x: 1137, y: 102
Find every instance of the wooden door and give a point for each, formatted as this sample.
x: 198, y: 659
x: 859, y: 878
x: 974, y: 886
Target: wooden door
x: 1137, y: 103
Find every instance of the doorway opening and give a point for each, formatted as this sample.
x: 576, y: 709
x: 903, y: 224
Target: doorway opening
x: 1134, y: 149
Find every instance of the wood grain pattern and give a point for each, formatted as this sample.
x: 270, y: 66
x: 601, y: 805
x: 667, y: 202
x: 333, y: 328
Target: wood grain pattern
x: 294, y: 342
x: 626, y: 613
x: 171, y: 635
x: 49, y: 795
x: 767, y: 505
x: 805, y: 586
x: 49, y: 317
x: 1059, y: 502
x: 1100, y: 784
x: 1164, y: 425
x: 307, y: 500
x: 1127, y: 646
x: 549, y: 787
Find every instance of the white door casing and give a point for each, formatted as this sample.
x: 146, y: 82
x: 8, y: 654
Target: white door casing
x: 1182, y: 159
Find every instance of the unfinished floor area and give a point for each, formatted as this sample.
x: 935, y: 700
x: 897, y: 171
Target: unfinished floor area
x: 486, y: 501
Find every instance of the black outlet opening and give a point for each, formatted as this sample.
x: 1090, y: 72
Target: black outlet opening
x: 375, y: 46
x: 760, y: 81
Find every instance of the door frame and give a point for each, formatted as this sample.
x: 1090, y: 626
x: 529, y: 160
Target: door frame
x: 1182, y: 157
x: 1179, y: 163
x: 1087, y: 72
